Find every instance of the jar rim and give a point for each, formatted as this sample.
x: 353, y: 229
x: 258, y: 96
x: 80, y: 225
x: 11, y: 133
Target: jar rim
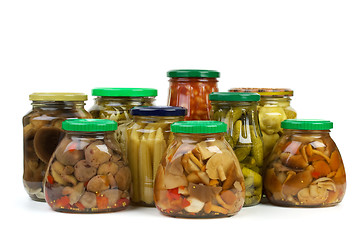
x: 58, y: 96
x: 193, y: 73
x: 266, y: 92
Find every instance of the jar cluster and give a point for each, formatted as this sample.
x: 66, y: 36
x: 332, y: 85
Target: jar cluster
x: 206, y: 154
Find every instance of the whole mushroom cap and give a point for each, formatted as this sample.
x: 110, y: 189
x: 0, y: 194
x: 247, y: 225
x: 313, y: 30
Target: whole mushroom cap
x: 67, y: 152
x: 97, y: 153
x: 83, y: 171
x: 45, y: 142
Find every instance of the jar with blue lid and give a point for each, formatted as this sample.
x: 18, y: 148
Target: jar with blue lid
x: 147, y: 139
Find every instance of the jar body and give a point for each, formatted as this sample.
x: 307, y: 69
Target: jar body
x: 41, y: 134
x: 272, y: 111
x: 147, y: 140
x: 244, y: 136
x: 192, y: 94
x: 88, y: 173
x: 305, y: 169
x: 199, y: 177
x: 118, y: 109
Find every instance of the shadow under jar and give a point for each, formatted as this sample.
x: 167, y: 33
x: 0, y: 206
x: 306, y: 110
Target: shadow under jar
x: 88, y: 172
x: 239, y: 112
x: 305, y: 168
x: 42, y: 131
x: 189, y: 88
x: 199, y: 175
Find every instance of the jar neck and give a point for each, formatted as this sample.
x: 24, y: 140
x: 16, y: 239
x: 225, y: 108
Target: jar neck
x: 193, y: 80
x: 193, y: 137
x: 125, y: 101
x: 307, y: 132
x: 95, y: 135
x: 274, y: 100
x: 54, y: 105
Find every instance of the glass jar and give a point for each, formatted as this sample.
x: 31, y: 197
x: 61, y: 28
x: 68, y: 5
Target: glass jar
x: 148, y: 137
x: 305, y: 168
x: 190, y: 89
x: 274, y: 107
x: 116, y: 104
x: 239, y: 112
x: 42, y: 132
x: 199, y: 175
x: 88, y: 172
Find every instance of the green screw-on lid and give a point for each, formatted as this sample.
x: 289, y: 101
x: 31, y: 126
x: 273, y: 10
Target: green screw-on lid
x: 199, y: 127
x: 234, y: 96
x: 89, y: 125
x: 307, y: 124
x: 193, y: 73
x: 125, y: 92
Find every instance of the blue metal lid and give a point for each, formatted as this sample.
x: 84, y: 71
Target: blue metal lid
x: 158, y: 111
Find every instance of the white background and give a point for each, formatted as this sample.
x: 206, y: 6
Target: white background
x: 308, y: 46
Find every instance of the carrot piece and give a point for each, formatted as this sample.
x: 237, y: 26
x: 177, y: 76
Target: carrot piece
x: 101, y: 202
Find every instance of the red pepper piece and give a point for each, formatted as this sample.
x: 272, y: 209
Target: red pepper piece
x: 101, y: 202
x: 50, y: 179
x: 62, y: 202
x: 173, y: 194
x: 123, y: 202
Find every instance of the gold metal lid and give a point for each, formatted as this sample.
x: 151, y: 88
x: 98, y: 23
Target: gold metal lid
x: 58, y: 96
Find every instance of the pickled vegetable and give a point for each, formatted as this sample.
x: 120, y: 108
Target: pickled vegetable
x: 244, y: 136
x: 199, y: 177
x: 305, y: 169
x: 88, y: 173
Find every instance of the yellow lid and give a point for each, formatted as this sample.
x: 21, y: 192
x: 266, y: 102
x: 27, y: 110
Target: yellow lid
x: 58, y: 96
x: 271, y: 92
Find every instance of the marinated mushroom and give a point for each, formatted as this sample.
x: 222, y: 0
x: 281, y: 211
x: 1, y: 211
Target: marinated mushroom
x: 83, y: 171
x: 45, y: 142
x: 123, y: 178
x: 97, y: 153
x: 88, y: 199
x: 98, y: 183
x: 218, y: 165
x: 107, y: 167
x: 67, y: 152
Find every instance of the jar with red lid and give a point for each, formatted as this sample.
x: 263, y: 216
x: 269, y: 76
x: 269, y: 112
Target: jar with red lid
x: 190, y: 88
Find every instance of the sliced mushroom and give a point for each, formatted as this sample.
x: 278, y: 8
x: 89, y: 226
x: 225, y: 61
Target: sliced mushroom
x: 188, y: 164
x: 297, y: 182
x: 98, y: 183
x: 112, y: 143
x: 97, y: 153
x: 293, y: 161
x: 45, y: 142
x: 195, y: 205
x: 74, y: 193
x: 88, y: 200
x: 201, y: 151
x: 202, y: 192
x: 218, y: 165
x: 83, y: 171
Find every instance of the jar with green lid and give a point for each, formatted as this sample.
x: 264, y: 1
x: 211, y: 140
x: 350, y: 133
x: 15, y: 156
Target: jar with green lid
x: 274, y: 107
x: 42, y: 132
x: 189, y: 88
x: 88, y: 172
x: 239, y: 112
x: 116, y: 103
x: 199, y: 175
x: 147, y: 139
x: 305, y: 168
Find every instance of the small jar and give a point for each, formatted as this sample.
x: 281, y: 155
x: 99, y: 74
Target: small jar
x: 42, y: 132
x: 88, y: 172
x: 147, y: 139
x: 190, y: 89
x: 305, y: 168
x: 239, y: 112
x: 116, y: 104
x: 274, y: 107
x: 199, y: 175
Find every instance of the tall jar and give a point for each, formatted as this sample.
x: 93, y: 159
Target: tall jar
x: 305, y: 168
x: 189, y: 88
x: 199, y: 175
x: 147, y: 139
x: 239, y: 112
x: 87, y: 172
x: 42, y: 132
x: 116, y: 103
x: 274, y: 107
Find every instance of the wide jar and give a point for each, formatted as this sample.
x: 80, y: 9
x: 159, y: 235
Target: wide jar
x: 189, y: 88
x: 147, y: 139
x: 199, y: 175
x: 42, y: 131
x: 88, y: 172
x: 274, y: 107
x: 305, y: 168
x: 239, y: 112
